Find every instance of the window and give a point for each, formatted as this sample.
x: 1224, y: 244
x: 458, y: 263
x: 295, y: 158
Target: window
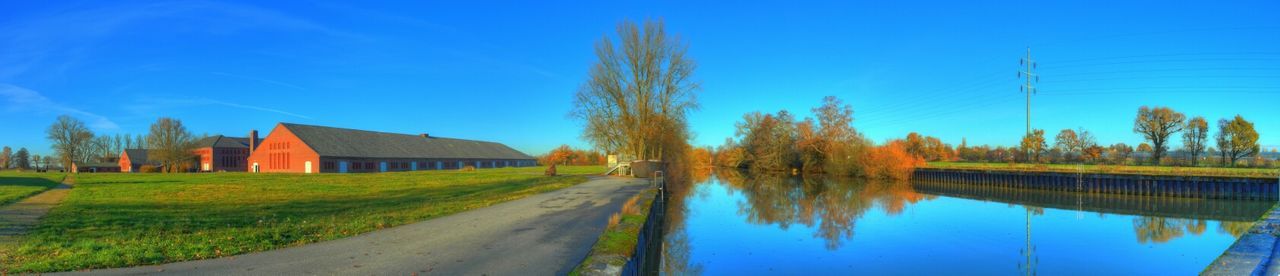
x: 328, y: 166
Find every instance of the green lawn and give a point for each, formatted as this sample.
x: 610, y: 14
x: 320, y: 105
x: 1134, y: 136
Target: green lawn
x: 1153, y: 170
x: 116, y: 220
x: 15, y: 186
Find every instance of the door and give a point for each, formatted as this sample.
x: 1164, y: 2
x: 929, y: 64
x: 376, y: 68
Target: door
x: 342, y: 167
x: 413, y: 165
x: 382, y: 167
x: 255, y: 167
x: 306, y: 166
x: 439, y: 165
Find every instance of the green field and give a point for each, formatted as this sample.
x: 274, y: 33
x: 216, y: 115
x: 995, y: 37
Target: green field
x: 116, y: 220
x: 15, y: 186
x: 1115, y: 169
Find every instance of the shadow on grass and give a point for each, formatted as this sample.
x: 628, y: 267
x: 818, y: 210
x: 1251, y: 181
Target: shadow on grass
x: 17, y: 181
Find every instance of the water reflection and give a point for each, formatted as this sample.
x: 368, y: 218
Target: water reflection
x: 832, y: 206
x: 830, y: 209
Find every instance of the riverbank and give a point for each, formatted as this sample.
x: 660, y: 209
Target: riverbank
x: 1111, y: 169
x: 1255, y: 253
x: 617, y: 244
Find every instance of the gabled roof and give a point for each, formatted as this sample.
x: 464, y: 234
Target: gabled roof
x: 341, y: 142
x: 136, y: 156
x: 219, y: 141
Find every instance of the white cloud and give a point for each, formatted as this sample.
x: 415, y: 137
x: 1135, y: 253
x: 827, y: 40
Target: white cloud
x: 150, y: 105
x: 21, y: 99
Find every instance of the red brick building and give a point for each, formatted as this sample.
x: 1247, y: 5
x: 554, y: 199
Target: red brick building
x: 224, y: 154
x: 132, y: 160
x: 299, y: 148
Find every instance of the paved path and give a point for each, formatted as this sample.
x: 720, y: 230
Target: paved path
x: 543, y: 234
x: 17, y: 218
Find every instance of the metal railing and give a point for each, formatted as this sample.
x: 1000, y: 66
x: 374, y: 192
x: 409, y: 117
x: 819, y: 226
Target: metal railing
x: 647, y: 257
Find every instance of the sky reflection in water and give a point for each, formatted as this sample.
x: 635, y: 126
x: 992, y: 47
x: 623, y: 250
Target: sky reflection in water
x: 734, y: 224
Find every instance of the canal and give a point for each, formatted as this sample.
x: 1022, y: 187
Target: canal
x: 732, y: 223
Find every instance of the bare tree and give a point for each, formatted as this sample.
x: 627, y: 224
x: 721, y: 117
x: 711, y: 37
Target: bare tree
x: 637, y: 94
x: 1156, y: 125
x: 1193, y: 139
x: 140, y: 142
x: 70, y: 139
x: 171, y: 144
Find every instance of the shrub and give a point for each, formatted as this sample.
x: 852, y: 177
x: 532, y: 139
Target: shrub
x: 468, y: 168
x: 890, y: 161
x: 149, y: 169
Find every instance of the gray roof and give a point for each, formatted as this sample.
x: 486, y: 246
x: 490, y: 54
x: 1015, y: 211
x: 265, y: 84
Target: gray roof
x: 341, y: 142
x: 219, y: 141
x: 136, y: 156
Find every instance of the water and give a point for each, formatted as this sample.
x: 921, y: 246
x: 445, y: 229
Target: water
x: 732, y: 224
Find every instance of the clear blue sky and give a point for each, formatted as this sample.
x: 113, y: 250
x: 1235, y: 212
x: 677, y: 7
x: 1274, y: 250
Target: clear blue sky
x: 506, y: 71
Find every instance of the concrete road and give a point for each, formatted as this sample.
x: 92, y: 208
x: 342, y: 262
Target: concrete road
x: 545, y: 234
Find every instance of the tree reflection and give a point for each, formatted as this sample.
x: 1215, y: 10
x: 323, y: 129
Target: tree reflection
x: 1161, y: 230
x: 1235, y: 228
x: 831, y: 205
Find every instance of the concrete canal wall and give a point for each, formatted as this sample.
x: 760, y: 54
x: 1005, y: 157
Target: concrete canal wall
x: 1168, y: 207
x: 1122, y: 184
x: 1255, y: 253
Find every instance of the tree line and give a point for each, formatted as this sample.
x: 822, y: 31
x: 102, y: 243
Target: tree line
x: 1234, y: 143
x: 828, y: 143
x: 168, y: 143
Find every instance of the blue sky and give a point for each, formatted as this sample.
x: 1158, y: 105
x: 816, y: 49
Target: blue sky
x: 506, y: 71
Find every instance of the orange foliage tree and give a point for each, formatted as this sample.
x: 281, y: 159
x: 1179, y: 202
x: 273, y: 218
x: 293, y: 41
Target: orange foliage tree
x: 565, y: 155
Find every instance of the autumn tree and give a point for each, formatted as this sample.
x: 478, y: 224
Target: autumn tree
x: 1034, y: 144
x: 1237, y: 139
x: 1092, y: 153
x: 1156, y: 125
x: 1144, y: 148
x: 768, y: 140
x: 1120, y: 153
x: 1067, y: 142
x: 171, y: 144
x: 70, y: 140
x: 6, y: 157
x: 836, y: 138
x: 638, y: 92
x: 1194, y: 136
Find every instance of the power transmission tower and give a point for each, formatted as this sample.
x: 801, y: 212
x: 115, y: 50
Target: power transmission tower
x: 1028, y: 87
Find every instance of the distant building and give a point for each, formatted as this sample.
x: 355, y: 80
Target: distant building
x: 299, y: 148
x: 132, y: 160
x: 94, y: 167
x: 224, y: 154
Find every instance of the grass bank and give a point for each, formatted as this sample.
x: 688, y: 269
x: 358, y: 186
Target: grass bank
x: 618, y: 241
x: 15, y: 186
x: 118, y: 220
x: 1111, y: 169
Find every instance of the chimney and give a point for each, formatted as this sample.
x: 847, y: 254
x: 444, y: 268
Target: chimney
x: 424, y: 135
x: 253, y: 140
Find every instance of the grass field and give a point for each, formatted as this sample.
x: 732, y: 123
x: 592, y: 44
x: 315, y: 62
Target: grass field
x: 1152, y: 170
x: 15, y: 186
x: 116, y: 220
